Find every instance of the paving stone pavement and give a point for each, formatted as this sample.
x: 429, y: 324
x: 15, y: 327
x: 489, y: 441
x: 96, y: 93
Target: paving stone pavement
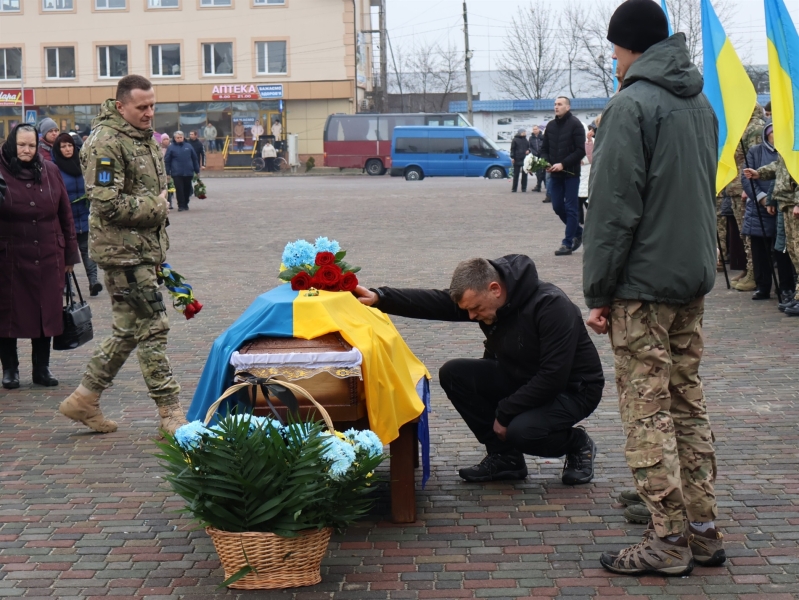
x: 85, y: 516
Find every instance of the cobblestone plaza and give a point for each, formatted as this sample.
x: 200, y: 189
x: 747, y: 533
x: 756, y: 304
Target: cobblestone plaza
x: 85, y: 515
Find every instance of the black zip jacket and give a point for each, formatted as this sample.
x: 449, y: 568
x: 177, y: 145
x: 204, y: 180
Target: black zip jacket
x: 518, y: 149
x: 564, y: 143
x: 538, y: 338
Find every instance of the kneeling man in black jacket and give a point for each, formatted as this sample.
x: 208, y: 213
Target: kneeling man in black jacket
x: 540, y: 373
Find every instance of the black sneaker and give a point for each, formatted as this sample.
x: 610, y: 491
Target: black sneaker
x: 578, y: 241
x: 579, y: 466
x: 95, y: 288
x: 789, y: 303
x: 563, y: 251
x: 792, y: 310
x: 495, y: 467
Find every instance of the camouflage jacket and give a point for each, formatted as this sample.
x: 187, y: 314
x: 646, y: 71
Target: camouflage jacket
x: 753, y: 135
x: 785, y: 190
x: 124, y: 173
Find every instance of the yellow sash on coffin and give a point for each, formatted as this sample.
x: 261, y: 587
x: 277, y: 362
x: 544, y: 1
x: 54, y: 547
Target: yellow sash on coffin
x: 390, y: 369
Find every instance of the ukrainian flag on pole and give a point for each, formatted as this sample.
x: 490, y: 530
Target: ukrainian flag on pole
x: 729, y: 90
x: 783, y: 68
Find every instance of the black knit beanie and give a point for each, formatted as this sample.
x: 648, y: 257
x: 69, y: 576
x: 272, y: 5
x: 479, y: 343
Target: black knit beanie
x: 637, y: 25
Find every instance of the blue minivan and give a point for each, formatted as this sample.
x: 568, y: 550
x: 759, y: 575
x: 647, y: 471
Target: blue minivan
x: 419, y: 152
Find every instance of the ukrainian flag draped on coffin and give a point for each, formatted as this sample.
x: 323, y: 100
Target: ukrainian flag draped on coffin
x: 729, y: 90
x: 783, y: 69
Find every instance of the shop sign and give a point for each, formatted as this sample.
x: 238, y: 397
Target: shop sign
x: 14, y: 97
x: 247, y: 92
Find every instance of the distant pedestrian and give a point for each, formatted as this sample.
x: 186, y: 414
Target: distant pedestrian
x: 48, y: 130
x: 209, y: 135
x: 198, y: 147
x: 519, y: 148
x: 164, y: 146
x: 536, y: 142
x: 182, y: 165
x: 268, y: 153
x: 277, y: 129
x: 564, y: 148
x: 238, y: 136
x: 257, y: 130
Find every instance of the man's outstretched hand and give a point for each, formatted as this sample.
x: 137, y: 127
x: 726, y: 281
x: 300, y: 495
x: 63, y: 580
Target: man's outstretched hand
x: 598, y: 320
x: 365, y: 296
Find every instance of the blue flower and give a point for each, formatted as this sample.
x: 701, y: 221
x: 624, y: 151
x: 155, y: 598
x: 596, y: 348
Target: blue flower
x: 325, y: 245
x: 298, y: 253
x: 340, y: 454
x: 264, y: 423
x: 365, y: 440
x: 189, y: 436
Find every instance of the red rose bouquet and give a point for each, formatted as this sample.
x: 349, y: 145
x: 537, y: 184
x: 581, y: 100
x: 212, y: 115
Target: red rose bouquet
x: 320, y: 266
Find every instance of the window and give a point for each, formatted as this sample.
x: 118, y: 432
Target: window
x: 446, y: 145
x: 268, y: 2
x: 480, y: 147
x: 10, y: 63
x: 112, y: 61
x: 352, y: 129
x: 57, y: 4
x: 9, y: 5
x: 215, y: 3
x: 165, y: 60
x: 218, y: 59
x: 163, y: 3
x: 271, y: 57
x: 411, y: 146
x: 108, y: 4
x: 60, y: 63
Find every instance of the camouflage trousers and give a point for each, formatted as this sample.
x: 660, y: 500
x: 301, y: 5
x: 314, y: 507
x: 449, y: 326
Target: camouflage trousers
x: 792, y: 239
x: 721, y: 224
x: 739, y: 208
x: 147, y: 335
x: 657, y: 350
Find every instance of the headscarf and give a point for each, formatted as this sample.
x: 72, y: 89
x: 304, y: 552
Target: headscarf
x: 70, y: 166
x: 766, y: 130
x: 9, y: 153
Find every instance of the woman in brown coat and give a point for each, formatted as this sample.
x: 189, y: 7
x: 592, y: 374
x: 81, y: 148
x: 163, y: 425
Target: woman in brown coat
x: 37, y: 246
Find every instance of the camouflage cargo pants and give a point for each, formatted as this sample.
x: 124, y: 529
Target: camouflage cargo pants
x: 657, y: 350
x: 792, y: 239
x: 721, y: 224
x: 739, y: 208
x: 147, y: 335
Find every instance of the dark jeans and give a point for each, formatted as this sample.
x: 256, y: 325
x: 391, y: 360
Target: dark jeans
x: 761, y: 261
x: 88, y: 263
x: 518, y: 169
x: 183, y: 189
x: 270, y: 164
x: 785, y: 272
x: 563, y: 192
x: 40, y: 352
x: 475, y: 387
x: 541, y: 178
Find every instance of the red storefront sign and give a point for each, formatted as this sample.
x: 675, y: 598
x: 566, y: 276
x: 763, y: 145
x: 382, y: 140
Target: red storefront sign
x: 14, y: 97
x: 235, y: 92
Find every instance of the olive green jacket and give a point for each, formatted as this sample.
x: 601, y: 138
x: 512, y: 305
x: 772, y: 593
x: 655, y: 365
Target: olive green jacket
x: 125, y: 174
x: 650, y: 231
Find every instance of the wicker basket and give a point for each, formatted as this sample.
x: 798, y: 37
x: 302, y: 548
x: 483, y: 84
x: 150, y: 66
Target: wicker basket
x: 278, y: 562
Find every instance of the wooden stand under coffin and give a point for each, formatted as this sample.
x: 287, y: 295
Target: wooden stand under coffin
x: 341, y: 391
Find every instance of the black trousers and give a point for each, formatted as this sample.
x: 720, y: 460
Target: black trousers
x: 519, y: 170
x: 475, y: 387
x: 183, y: 189
x: 761, y: 261
x: 785, y: 271
x: 541, y: 177
x: 40, y: 352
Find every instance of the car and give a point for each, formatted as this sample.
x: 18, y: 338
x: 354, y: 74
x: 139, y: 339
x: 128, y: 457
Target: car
x: 419, y: 152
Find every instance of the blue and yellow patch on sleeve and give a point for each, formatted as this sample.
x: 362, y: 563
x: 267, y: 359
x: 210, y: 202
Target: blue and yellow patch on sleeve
x: 104, y: 174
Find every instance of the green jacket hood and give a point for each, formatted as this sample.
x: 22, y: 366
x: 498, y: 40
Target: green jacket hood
x: 668, y: 65
x: 109, y: 117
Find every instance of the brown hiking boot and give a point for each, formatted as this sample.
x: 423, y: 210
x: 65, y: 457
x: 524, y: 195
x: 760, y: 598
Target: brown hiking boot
x: 746, y: 283
x: 707, y: 547
x: 83, y: 405
x: 172, y: 417
x: 651, y: 555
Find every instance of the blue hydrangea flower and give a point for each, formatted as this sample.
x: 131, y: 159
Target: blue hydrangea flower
x: 366, y: 440
x: 325, y: 245
x: 340, y: 454
x: 189, y: 436
x: 264, y: 423
x: 298, y: 253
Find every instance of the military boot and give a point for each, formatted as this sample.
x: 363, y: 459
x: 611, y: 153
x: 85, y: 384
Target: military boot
x: 628, y: 497
x: 83, y: 405
x: 746, y: 283
x: 172, y: 417
x: 637, y: 513
x: 738, y: 277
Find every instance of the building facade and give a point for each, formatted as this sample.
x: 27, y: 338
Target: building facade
x: 212, y: 61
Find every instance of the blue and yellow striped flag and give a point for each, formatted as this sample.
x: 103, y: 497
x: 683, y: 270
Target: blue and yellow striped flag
x: 668, y: 19
x: 729, y: 90
x: 783, y: 69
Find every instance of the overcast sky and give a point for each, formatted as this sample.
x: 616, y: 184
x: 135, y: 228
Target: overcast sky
x: 440, y: 20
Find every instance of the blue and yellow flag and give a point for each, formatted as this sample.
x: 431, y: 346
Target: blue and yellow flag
x: 668, y: 20
x: 783, y: 69
x: 729, y: 90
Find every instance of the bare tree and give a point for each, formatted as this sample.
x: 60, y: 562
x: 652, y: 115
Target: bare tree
x: 422, y: 63
x: 531, y: 54
x: 572, y: 23
x: 449, y: 74
x: 595, y: 59
x: 759, y: 76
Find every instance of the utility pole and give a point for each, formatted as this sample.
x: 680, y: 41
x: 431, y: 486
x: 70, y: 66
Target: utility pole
x: 468, y: 56
x: 383, y: 59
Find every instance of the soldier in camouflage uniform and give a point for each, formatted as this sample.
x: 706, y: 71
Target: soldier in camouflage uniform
x: 745, y: 282
x: 126, y: 185
x: 721, y: 226
x: 786, y: 195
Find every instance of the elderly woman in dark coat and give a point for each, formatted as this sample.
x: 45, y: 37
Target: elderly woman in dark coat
x: 37, y: 246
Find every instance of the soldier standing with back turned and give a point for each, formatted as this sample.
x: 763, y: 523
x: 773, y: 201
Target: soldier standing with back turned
x: 126, y: 185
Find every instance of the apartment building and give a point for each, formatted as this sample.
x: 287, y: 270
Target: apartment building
x: 217, y: 61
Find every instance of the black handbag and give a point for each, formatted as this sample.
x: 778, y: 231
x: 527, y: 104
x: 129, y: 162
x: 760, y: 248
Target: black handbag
x: 77, y: 319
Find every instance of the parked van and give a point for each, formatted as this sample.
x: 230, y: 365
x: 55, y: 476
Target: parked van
x: 419, y: 152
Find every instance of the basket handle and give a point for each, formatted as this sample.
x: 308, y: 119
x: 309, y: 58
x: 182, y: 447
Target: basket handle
x: 269, y: 381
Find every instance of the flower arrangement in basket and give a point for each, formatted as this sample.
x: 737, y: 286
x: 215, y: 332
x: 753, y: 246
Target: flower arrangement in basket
x: 320, y: 266
x: 199, y: 188
x: 269, y: 494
